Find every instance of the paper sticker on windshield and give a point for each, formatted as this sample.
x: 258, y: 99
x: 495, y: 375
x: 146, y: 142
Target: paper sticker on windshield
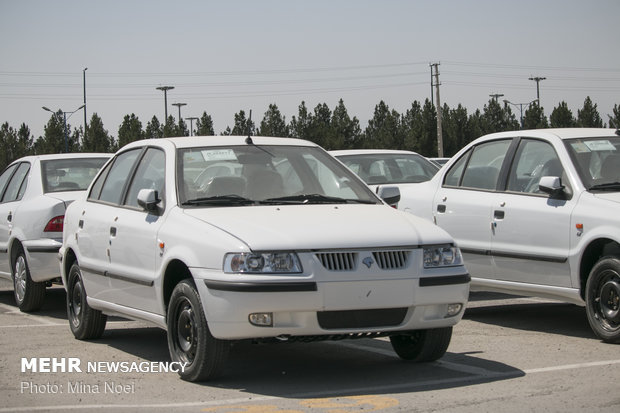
x: 601, y: 145
x: 219, y: 155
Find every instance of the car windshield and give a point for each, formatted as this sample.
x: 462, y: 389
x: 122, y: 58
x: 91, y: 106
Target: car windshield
x: 388, y: 168
x: 597, y: 161
x: 270, y: 174
x: 71, y: 174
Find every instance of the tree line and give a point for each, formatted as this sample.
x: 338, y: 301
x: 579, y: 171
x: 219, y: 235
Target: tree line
x: 414, y: 130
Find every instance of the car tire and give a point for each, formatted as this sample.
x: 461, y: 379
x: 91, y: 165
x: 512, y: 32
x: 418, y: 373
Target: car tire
x: 189, y: 338
x: 29, y: 295
x: 85, y: 322
x: 603, y: 299
x: 422, y: 345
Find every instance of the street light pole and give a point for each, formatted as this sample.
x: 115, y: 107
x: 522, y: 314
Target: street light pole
x: 64, y: 115
x: 178, y: 105
x: 165, y: 89
x: 191, y: 120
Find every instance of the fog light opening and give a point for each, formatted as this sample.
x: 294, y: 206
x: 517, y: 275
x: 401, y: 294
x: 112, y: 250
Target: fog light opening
x: 453, y: 309
x: 261, y: 319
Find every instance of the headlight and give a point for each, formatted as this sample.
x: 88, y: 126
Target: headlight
x: 262, y: 263
x: 442, y: 256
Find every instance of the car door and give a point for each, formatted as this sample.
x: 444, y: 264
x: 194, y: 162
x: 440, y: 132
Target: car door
x: 530, y: 230
x: 13, y: 184
x: 462, y: 205
x: 133, y: 243
x: 96, y: 218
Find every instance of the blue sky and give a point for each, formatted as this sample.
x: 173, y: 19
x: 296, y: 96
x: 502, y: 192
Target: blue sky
x: 226, y: 56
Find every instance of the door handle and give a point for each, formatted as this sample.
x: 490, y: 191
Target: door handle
x: 9, y: 217
x: 441, y: 208
x: 497, y: 214
x: 112, y: 231
x: 81, y: 224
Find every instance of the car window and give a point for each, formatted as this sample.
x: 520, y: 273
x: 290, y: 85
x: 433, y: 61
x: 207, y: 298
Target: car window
x: 390, y: 168
x: 112, y: 189
x: 74, y: 174
x: 479, y: 168
x: 6, y: 175
x: 149, y: 175
x: 17, y: 185
x: 533, y: 160
x: 597, y: 160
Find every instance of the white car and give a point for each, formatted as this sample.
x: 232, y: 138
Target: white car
x: 379, y: 167
x: 535, y: 212
x: 228, y: 238
x: 34, y: 192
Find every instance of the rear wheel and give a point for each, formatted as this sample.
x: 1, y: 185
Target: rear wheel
x: 29, y: 295
x: 189, y: 338
x: 85, y: 322
x: 603, y: 299
x: 422, y: 345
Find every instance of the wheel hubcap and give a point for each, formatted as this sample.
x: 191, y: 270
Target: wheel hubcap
x: 186, y: 331
x: 76, y: 303
x: 20, y: 278
x: 610, y: 300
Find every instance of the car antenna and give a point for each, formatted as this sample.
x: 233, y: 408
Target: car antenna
x: 248, y: 140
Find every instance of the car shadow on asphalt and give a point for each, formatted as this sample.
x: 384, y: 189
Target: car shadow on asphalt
x: 54, y: 305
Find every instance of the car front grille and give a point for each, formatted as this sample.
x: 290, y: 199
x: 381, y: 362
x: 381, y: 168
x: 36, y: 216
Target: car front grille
x: 348, y: 261
x: 376, y: 318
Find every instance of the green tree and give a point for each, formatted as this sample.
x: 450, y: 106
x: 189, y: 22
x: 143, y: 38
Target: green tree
x: 97, y: 138
x: 383, y: 130
x: 171, y: 129
x: 455, y: 130
x: 497, y: 118
x: 130, y: 130
x: 614, y: 122
x: 412, y: 127
x: 242, y: 126
x: 204, y: 125
x: 319, y: 130
x: 273, y: 123
x: 8, y: 140
x: 588, y: 116
x: 427, y: 140
x: 345, y: 132
x: 153, y: 129
x: 535, y: 118
x: 53, y: 139
x: 25, y: 142
x: 562, y: 117
x: 300, y: 124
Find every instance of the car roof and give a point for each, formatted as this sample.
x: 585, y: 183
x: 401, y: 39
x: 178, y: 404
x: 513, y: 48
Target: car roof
x: 197, y: 141
x: 558, y: 133
x: 370, y: 151
x: 72, y: 155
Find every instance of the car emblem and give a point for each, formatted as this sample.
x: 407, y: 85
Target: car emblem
x: 368, y: 262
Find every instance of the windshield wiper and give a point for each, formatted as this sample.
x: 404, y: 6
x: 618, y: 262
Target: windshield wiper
x: 610, y: 186
x: 314, y: 199
x: 220, y: 200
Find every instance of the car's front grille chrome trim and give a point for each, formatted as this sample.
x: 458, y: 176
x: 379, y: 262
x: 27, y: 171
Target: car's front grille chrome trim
x: 391, y: 260
x: 338, y: 261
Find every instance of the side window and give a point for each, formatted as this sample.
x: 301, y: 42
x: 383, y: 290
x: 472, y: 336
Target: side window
x: 17, y: 185
x: 6, y: 175
x: 482, y: 170
x: 149, y: 175
x: 534, y: 159
x: 453, y: 177
x: 112, y: 189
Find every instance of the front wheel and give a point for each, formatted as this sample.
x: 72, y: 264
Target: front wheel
x: 603, y: 299
x: 422, y: 345
x: 85, y: 322
x: 29, y: 295
x: 189, y: 338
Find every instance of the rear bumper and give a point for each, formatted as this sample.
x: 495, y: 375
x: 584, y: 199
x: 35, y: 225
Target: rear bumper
x: 42, y: 256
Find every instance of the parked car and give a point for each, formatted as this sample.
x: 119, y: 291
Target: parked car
x: 217, y: 239
x: 34, y: 193
x: 387, y: 167
x: 535, y: 212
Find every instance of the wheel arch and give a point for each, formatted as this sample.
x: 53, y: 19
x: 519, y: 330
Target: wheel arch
x: 14, y: 247
x: 595, y: 250
x: 176, y: 271
x: 67, y: 261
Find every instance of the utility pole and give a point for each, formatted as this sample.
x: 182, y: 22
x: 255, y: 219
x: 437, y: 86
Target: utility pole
x: 191, y: 124
x: 84, y: 76
x: 537, y: 80
x: 165, y: 89
x: 432, y: 99
x: 439, y: 134
x: 178, y: 105
x: 495, y: 96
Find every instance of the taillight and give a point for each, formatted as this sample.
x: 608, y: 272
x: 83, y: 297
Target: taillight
x: 55, y: 224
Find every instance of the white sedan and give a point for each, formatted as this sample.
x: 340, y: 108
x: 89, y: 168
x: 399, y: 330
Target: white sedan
x: 228, y: 238
x: 34, y: 193
x: 535, y: 212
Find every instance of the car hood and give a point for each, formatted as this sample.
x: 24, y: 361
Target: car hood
x: 322, y: 226
x: 609, y: 196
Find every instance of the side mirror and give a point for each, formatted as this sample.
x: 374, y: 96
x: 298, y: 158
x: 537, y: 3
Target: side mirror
x: 148, y: 199
x: 390, y: 194
x: 551, y: 185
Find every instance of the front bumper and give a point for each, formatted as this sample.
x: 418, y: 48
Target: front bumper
x: 305, y: 308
